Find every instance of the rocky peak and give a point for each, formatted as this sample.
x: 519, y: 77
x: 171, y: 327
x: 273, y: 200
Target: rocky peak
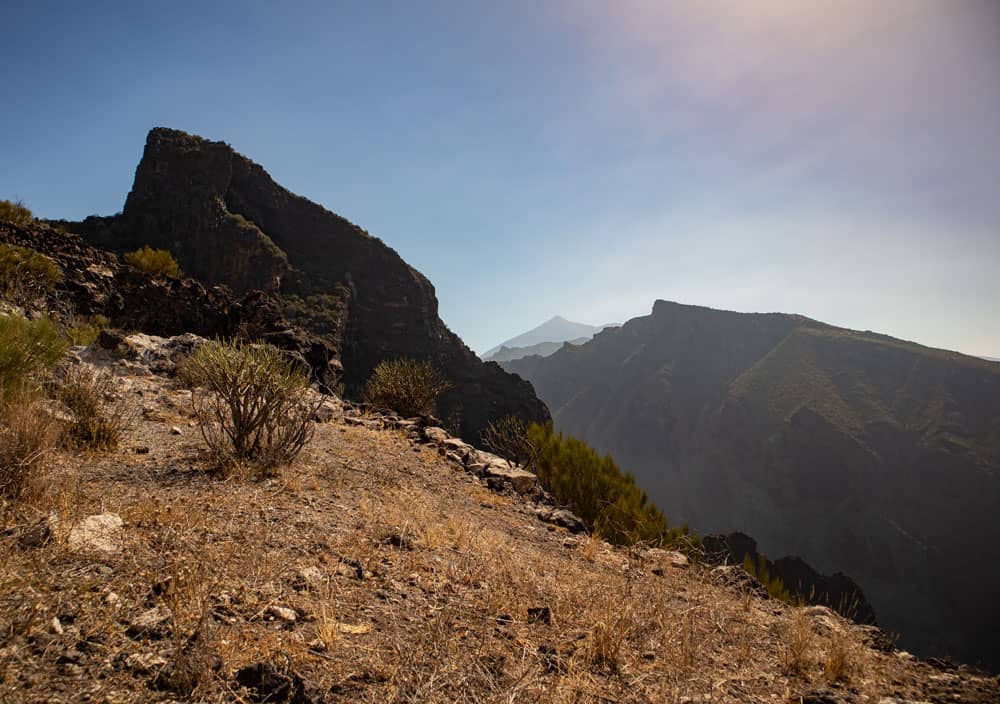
x: 228, y: 222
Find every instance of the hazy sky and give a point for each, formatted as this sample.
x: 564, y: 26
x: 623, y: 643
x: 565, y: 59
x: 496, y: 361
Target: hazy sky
x: 836, y: 159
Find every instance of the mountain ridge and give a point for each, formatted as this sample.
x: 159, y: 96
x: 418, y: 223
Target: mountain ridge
x: 228, y: 222
x: 819, y: 441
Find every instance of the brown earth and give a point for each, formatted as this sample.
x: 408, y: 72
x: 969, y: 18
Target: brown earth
x: 376, y: 569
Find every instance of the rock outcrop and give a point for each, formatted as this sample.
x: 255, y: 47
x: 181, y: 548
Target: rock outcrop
x: 228, y: 222
x: 95, y: 282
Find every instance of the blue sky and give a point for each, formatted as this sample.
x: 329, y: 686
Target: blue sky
x: 573, y: 157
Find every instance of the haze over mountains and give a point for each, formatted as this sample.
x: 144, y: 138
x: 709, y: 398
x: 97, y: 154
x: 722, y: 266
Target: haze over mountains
x: 544, y: 339
x: 859, y: 452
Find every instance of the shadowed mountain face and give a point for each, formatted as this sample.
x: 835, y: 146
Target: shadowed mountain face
x: 861, y: 453
x: 228, y: 222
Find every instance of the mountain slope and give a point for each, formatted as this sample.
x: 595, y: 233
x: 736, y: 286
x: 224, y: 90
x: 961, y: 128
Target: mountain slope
x: 376, y: 569
x: 861, y: 453
x: 542, y: 349
x: 228, y: 222
x: 556, y: 329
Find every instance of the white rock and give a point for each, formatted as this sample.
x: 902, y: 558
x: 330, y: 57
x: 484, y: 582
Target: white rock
x: 283, y: 613
x: 101, y: 532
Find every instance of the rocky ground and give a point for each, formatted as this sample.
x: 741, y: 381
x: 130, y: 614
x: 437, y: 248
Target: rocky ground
x: 391, y: 563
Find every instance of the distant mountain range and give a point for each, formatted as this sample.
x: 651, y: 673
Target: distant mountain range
x: 555, y: 330
x: 857, y: 451
x: 542, y: 349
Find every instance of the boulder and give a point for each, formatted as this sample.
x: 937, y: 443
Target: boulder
x: 524, y: 482
x: 560, y: 517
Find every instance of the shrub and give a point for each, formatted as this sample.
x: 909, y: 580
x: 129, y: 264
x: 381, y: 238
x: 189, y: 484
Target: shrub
x: 15, y: 212
x: 26, y: 274
x: 775, y: 586
x: 84, y: 331
x: 158, y: 263
x: 508, y: 437
x: 407, y: 386
x: 249, y: 403
x: 28, y: 348
x: 605, y: 498
x: 100, y: 416
x: 28, y: 434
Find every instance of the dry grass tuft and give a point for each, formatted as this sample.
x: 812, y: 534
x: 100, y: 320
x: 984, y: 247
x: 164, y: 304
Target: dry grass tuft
x: 28, y: 436
x: 797, y: 644
x: 101, y: 418
x: 841, y: 659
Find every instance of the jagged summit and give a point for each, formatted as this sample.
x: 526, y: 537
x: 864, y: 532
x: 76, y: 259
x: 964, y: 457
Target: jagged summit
x: 228, y: 222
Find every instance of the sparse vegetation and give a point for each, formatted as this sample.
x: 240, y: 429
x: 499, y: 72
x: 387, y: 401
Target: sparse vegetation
x: 28, y: 348
x: 249, y: 403
x: 100, y: 417
x: 28, y: 434
x: 797, y: 644
x: 16, y: 212
x: 158, y: 263
x: 85, y: 330
x: 776, y: 588
x: 508, y: 437
x: 26, y: 274
x: 605, y: 498
x: 407, y: 386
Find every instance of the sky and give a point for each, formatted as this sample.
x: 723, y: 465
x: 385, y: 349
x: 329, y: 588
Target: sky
x: 835, y: 159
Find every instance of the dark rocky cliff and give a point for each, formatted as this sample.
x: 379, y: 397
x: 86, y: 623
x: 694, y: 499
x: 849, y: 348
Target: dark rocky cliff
x: 228, y: 222
x: 863, y: 454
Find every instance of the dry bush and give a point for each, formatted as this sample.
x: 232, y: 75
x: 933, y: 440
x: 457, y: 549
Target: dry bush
x: 28, y: 434
x: 158, y: 263
x: 28, y: 349
x: 15, y: 211
x: 248, y: 400
x: 100, y: 416
x: 508, y: 437
x: 84, y: 330
x: 407, y: 386
x: 26, y: 274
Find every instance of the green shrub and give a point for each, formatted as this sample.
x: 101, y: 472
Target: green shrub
x: 28, y: 348
x: 84, y: 331
x: 407, y: 386
x: 775, y: 586
x: 248, y: 400
x: 508, y: 437
x: 606, y: 499
x: 26, y: 274
x: 158, y: 263
x: 15, y: 212
x: 28, y: 434
x: 100, y: 417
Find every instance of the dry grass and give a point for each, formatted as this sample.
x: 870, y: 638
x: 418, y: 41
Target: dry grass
x: 28, y: 436
x: 101, y: 418
x: 405, y: 585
